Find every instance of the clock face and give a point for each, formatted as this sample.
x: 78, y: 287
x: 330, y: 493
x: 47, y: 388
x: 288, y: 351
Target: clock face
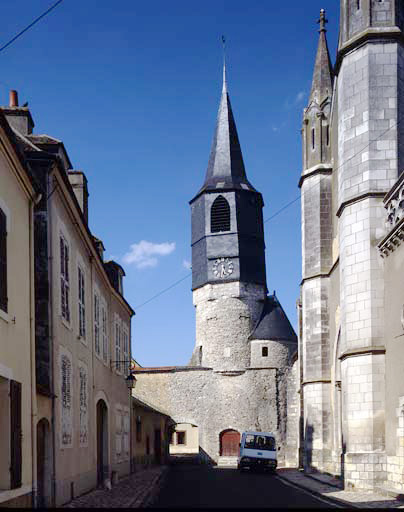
x: 222, y: 267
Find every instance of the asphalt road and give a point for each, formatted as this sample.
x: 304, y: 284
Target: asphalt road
x: 205, y: 487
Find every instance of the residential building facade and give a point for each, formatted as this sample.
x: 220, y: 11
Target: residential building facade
x: 82, y: 331
x: 18, y: 195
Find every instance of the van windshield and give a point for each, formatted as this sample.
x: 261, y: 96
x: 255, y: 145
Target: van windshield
x: 256, y: 442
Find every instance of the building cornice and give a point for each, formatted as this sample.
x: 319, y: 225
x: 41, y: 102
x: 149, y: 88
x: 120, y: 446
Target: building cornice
x: 357, y: 199
x: 321, y: 275
x: 325, y: 169
x: 371, y: 34
x: 362, y: 351
x: 316, y: 381
x: 392, y: 240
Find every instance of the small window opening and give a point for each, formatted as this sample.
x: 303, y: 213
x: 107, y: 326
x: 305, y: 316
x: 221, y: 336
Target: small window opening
x: 313, y: 138
x: 180, y: 437
x: 138, y: 429
x: 358, y: 4
x: 264, y: 351
x: 327, y: 135
x: 220, y: 215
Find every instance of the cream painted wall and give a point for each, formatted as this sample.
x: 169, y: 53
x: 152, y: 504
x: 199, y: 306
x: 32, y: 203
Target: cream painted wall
x: 191, y: 439
x: 76, y: 465
x: 15, y: 326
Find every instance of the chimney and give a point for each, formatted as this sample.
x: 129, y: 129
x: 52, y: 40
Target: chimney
x: 13, y: 98
x: 78, y: 182
x: 18, y: 117
x: 99, y: 246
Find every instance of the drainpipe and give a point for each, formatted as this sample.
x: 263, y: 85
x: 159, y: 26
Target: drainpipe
x: 34, y: 410
x: 51, y: 339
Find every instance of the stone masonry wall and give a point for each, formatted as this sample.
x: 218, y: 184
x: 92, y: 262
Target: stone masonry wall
x: 253, y: 399
x: 225, y: 317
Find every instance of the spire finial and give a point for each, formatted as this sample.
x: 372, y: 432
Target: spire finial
x: 224, y: 63
x: 322, y: 21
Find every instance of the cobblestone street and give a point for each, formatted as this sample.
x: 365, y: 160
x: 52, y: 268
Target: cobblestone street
x: 131, y: 492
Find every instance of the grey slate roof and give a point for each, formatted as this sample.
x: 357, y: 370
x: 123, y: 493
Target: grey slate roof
x: 226, y: 166
x: 273, y: 323
x: 321, y: 87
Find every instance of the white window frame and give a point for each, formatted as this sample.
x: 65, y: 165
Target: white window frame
x: 117, y: 338
x: 97, y: 333
x: 64, y: 271
x: 81, y: 292
x: 104, y: 331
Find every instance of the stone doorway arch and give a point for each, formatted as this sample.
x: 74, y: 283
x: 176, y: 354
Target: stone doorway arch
x: 229, y: 443
x: 44, y: 463
x: 102, y: 443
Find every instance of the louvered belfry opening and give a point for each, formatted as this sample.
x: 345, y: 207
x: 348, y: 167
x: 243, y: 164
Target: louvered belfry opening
x: 220, y: 215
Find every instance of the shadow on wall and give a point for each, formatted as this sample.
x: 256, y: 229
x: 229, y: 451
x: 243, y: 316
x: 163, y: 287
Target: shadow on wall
x: 308, y: 446
x: 192, y: 458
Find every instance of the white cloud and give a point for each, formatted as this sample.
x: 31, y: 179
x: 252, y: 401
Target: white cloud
x: 145, y: 254
x: 187, y: 264
x: 299, y: 97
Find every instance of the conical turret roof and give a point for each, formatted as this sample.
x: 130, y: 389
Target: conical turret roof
x: 321, y: 87
x: 226, y: 166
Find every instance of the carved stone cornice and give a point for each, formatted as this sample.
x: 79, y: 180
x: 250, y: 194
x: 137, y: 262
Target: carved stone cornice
x: 394, y: 204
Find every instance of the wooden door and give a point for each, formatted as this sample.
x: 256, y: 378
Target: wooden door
x: 16, y: 434
x: 229, y: 443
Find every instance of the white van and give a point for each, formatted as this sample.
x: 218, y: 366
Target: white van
x: 257, y: 450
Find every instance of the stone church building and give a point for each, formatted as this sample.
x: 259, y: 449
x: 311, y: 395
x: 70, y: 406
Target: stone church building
x: 351, y: 346
x: 243, y: 371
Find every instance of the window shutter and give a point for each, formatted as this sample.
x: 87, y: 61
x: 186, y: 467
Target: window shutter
x: 16, y: 434
x: 3, y: 261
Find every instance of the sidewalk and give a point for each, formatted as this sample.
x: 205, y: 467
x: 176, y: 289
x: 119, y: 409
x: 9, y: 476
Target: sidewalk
x: 329, y: 487
x: 134, y: 491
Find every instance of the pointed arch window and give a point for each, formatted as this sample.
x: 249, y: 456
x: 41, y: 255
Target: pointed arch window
x: 358, y: 4
x: 220, y: 215
x: 313, y: 138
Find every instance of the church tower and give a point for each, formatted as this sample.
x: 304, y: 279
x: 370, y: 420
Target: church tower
x: 317, y: 257
x: 370, y: 157
x: 228, y: 252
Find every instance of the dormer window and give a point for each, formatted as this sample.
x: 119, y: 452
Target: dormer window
x: 120, y: 282
x: 220, y: 215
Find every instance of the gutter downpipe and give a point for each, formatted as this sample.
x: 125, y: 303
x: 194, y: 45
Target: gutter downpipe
x: 51, y: 340
x: 34, y: 409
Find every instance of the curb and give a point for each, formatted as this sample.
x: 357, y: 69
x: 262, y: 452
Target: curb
x: 337, y: 501
x: 151, y: 492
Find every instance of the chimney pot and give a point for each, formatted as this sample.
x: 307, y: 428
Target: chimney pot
x: 13, y: 98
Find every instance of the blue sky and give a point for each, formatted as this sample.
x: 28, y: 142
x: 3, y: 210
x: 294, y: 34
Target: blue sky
x: 132, y: 88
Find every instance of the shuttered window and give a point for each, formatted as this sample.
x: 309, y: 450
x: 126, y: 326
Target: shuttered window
x: 220, y: 215
x: 64, y: 279
x: 16, y: 434
x: 97, y: 324
x: 3, y: 261
x: 82, y: 305
x: 104, y: 331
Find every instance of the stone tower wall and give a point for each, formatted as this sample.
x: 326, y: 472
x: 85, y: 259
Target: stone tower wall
x: 370, y: 87
x: 225, y: 317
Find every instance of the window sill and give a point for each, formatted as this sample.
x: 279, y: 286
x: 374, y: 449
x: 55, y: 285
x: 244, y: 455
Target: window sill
x: 4, y: 316
x: 66, y: 323
x: 14, y: 493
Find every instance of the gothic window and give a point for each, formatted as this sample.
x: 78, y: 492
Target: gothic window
x: 83, y: 406
x: 3, y: 261
x: 327, y: 135
x: 313, y: 138
x: 220, y: 215
x: 104, y: 331
x: 82, y: 307
x: 264, y: 351
x: 358, y: 4
x: 64, y: 278
x: 97, y: 324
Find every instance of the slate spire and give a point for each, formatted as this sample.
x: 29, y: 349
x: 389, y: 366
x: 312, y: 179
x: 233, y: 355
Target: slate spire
x: 226, y: 166
x: 321, y: 87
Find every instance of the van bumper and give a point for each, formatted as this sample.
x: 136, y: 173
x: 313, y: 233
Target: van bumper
x: 256, y: 463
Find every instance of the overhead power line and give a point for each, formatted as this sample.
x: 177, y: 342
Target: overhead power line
x: 283, y: 208
x: 30, y: 25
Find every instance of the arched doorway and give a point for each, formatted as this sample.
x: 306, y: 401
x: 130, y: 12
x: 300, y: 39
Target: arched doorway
x: 44, y: 463
x: 229, y: 443
x: 102, y: 442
